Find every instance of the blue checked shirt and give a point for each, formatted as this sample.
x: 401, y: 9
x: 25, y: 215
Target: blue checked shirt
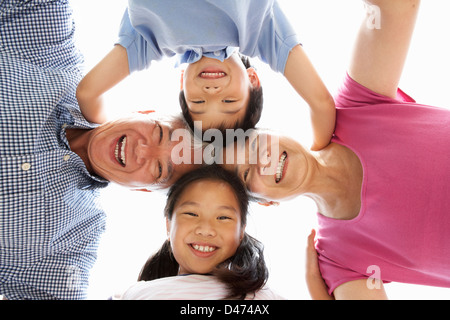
x: 50, y: 218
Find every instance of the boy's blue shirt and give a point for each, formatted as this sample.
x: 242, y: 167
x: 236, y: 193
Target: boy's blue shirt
x: 151, y: 30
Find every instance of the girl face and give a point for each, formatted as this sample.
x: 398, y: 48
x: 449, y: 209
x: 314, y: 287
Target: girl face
x: 218, y: 92
x: 205, y: 228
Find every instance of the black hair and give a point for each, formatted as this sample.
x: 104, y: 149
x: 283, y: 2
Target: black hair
x: 251, y: 116
x: 245, y: 272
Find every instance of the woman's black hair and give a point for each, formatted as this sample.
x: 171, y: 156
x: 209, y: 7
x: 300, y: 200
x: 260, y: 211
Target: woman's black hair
x: 245, y: 272
x: 251, y: 116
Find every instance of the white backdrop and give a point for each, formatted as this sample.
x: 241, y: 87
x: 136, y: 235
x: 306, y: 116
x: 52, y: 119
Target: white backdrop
x: 135, y: 224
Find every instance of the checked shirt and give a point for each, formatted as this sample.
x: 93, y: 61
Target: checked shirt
x: 50, y: 218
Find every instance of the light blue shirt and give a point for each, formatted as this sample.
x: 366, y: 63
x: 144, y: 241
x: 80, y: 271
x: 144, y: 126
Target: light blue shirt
x: 151, y: 30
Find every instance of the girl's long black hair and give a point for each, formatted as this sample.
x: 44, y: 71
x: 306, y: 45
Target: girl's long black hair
x: 245, y: 272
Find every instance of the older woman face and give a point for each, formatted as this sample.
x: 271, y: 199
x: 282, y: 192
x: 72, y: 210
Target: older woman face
x: 273, y: 167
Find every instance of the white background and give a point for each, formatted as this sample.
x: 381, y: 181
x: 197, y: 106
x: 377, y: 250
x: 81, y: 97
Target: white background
x: 326, y: 28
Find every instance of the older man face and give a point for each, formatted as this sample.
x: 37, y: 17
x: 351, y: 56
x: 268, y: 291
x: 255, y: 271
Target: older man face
x: 136, y: 152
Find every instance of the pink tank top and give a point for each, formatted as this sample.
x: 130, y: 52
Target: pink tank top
x: 402, y: 232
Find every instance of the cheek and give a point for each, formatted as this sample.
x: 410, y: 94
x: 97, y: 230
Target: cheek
x: 233, y: 239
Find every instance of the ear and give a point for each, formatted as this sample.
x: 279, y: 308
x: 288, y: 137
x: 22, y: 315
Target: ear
x: 267, y: 203
x: 241, y: 237
x: 168, y: 228
x: 253, y: 77
x: 181, y: 79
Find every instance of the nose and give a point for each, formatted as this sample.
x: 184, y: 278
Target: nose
x: 212, y: 89
x: 144, y: 152
x: 205, y: 228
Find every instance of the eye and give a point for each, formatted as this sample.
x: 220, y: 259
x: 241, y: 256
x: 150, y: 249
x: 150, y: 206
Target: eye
x: 253, y: 145
x: 245, y: 175
x: 160, y: 133
x: 160, y: 170
x: 223, y: 218
x: 197, y: 101
x: 228, y: 101
x: 191, y: 214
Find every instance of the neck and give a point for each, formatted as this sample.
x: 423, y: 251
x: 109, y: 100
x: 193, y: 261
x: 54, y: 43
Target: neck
x: 336, y: 183
x: 78, y: 141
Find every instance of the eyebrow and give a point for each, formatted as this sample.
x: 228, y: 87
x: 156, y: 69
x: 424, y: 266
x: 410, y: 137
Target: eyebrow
x: 196, y: 112
x: 232, y: 112
x: 193, y: 203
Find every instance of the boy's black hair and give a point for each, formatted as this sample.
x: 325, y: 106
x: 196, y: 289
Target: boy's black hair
x: 245, y: 272
x: 252, y: 114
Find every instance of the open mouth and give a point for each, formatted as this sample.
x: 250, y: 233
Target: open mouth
x: 281, y: 167
x: 203, y: 250
x: 206, y: 249
x: 119, y: 151
x: 212, y: 74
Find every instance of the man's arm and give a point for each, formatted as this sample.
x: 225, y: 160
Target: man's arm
x: 112, y: 69
x: 303, y: 77
x: 382, y: 44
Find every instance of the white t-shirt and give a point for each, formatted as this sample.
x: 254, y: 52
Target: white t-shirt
x: 187, y: 287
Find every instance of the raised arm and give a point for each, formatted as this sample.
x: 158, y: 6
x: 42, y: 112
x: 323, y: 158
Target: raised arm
x: 382, y: 44
x: 112, y: 69
x: 304, y: 79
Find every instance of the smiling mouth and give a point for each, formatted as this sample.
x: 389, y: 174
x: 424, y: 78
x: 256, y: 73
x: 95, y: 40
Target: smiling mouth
x: 119, y: 151
x: 280, y: 168
x: 212, y: 75
x: 203, y: 249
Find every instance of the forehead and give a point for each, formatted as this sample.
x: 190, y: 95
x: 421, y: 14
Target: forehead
x: 203, y: 188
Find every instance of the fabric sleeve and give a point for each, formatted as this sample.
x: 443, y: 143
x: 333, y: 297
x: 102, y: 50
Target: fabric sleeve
x: 334, y: 274
x: 277, y: 38
x: 140, y: 52
x: 352, y: 94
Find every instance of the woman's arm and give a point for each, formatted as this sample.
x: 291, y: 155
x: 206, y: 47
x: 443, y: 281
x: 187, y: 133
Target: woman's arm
x: 359, y: 290
x: 301, y: 74
x: 352, y: 290
x: 382, y: 44
x: 112, y: 69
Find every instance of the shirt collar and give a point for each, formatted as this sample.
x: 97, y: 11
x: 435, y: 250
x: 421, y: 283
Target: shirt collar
x: 196, y: 54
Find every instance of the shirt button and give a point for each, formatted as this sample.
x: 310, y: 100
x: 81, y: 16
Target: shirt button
x: 26, y: 166
x: 66, y: 157
x: 217, y: 53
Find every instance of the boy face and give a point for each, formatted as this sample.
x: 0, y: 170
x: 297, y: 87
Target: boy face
x: 218, y: 92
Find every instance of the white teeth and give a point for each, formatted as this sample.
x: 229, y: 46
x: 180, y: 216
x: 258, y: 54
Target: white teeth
x: 119, y: 151
x: 203, y: 248
x: 280, y: 167
x: 213, y: 74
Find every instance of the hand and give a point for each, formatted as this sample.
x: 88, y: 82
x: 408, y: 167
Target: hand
x: 316, y: 285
